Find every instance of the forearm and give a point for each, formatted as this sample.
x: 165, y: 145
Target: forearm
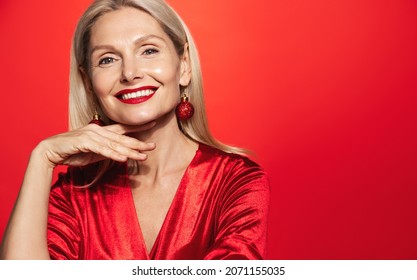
x: 26, y: 234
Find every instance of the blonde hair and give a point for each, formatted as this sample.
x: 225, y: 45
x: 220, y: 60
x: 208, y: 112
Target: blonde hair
x: 82, y: 104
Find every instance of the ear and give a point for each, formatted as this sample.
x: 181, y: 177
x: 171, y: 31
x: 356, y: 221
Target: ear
x: 86, y: 80
x: 185, y: 77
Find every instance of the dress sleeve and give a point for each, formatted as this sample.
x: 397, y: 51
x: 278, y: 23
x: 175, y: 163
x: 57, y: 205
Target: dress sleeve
x: 63, y: 229
x: 242, y: 223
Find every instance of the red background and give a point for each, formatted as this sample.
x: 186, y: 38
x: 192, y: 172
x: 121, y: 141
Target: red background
x: 324, y: 92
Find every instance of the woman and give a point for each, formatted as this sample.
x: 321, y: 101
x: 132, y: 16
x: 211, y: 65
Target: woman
x: 148, y: 181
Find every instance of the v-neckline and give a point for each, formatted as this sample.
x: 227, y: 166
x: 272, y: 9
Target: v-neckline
x: 151, y: 254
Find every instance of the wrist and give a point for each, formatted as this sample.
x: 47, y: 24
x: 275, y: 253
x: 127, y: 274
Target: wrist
x: 38, y: 175
x: 39, y: 156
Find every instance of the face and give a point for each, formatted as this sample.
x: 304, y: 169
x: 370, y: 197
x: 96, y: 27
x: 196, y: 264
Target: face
x: 135, y: 71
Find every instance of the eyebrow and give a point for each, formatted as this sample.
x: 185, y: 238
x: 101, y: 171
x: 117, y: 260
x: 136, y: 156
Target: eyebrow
x: 137, y: 42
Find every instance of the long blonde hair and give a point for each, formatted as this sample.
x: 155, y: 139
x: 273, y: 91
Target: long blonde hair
x: 83, y: 104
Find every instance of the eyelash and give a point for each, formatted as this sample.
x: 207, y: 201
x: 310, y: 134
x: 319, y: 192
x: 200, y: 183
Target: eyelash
x: 150, y: 51
x: 105, y: 60
x: 108, y: 60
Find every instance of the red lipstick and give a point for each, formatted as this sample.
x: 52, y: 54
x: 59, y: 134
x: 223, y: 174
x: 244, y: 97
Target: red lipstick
x: 136, y: 95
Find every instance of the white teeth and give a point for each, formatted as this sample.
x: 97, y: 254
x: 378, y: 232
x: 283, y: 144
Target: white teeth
x: 137, y: 94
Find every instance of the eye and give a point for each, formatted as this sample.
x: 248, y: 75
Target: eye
x: 106, y: 60
x: 150, y: 51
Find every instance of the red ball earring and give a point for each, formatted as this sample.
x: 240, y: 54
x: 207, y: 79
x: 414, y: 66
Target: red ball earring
x: 184, y: 110
x: 97, y: 120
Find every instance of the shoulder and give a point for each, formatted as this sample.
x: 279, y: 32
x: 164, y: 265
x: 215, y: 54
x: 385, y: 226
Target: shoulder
x: 229, y: 159
x: 234, y: 166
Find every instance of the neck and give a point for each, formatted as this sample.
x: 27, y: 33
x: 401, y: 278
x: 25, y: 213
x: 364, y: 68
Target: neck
x: 173, y: 151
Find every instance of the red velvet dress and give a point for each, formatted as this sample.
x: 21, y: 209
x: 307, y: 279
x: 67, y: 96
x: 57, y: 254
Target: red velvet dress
x: 219, y: 212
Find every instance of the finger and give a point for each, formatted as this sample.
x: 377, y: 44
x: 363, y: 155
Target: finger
x: 124, y: 151
x: 111, y: 149
x: 82, y: 159
x: 113, y: 139
x: 78, y: 146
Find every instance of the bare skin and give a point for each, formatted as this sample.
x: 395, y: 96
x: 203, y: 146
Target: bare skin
x: 130, y: 51
x: 154, y: 187
x: 25, y: 236
x: 133, y: 53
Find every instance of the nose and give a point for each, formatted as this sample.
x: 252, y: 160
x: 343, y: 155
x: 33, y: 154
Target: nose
x: 131, y: 71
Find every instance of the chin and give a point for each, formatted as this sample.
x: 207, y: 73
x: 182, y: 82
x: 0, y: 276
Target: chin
x: 133, y: 120
x: 141, y: 118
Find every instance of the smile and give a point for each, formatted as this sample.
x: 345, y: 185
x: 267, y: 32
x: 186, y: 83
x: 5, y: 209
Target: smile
x: 134, y: 96
x: 137, y: 94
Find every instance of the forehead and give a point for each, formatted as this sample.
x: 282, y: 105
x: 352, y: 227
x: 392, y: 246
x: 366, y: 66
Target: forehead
x: 125, y: 24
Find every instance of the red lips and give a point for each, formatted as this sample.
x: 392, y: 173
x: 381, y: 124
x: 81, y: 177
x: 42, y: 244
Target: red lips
x: 136, y: 100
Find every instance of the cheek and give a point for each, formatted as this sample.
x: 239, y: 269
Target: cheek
x: 164, y: 71
x: 167, y: 72
x: 103, y: 82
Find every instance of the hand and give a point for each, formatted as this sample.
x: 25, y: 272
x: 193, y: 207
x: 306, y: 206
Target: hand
x: 93, y: 143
